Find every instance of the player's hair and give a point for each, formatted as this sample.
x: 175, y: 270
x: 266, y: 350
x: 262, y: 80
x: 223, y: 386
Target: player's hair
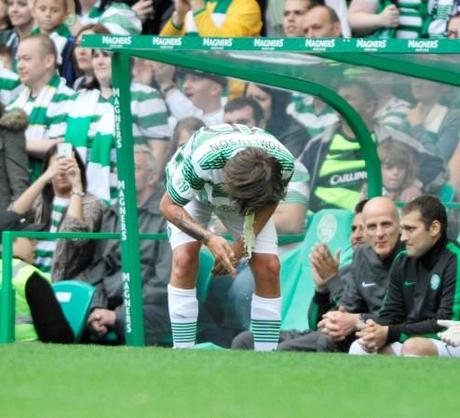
x: 431, y: 209
x: 253, y: 179
x: 46, y: 45
x: 360, y: 206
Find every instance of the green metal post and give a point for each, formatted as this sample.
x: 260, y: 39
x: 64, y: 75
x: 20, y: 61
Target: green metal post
x: 132, y: 284
x: 7, y: 307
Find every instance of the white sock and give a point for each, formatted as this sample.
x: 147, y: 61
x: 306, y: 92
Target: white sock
x: 265, y: 322
x: 183, y: 312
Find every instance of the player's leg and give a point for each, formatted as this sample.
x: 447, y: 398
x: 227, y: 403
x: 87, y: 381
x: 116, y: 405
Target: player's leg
x: 419, y: 346
x: 182, y: 300
x: 266, y: 301
x: 433, y: 348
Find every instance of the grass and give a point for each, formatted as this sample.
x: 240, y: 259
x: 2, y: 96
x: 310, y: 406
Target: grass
x: 52, y: 381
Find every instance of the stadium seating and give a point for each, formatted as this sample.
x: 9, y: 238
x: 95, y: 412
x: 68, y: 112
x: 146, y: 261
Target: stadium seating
x: 329, y: 226
x: 75, y: 298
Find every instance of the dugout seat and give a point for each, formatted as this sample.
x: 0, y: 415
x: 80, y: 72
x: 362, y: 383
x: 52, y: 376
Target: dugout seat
x: 447, y: 193
x: 329, y: 226
x: 75, y: 299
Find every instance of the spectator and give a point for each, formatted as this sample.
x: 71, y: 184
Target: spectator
x: 108, y: 309
x: 201, y: 94
x: 399, y: 168
x: 244, y: 111
x: 22, y: 22
x: 6, y: 58
x: 92, y: 127
x: 334, y: 158
x: 14, y: 163
x: 265, y: 167
x: 421, y: 290
x: 38, y: 313
x: 329, y: 283
x: 399, y: 19
x: 453, y: 29
x: 436, y: 126
x: 285, y: 128
x: 59, y: 200
x: 311, y: 112
x: 45, y: 98
x: 183, y: 131
x: 83, y: 56
x: 49, y: 16
x: 321, y: 22
x: 218, y: 18
x: 116, y: 16
x: 293, y: 15
x: 10, y: 86
x: 4, y: 19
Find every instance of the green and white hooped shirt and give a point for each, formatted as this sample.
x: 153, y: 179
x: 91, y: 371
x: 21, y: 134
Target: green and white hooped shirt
x: 197, y: 168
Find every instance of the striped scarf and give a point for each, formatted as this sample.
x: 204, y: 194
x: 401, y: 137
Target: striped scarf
x: 92, y: 114
x: 44, y: 251
x: 118, y: 18
x: 36, y: 109
x: 419, y: 18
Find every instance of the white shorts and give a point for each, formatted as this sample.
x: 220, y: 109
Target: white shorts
x: 444, y: 350
x: 265, y: 243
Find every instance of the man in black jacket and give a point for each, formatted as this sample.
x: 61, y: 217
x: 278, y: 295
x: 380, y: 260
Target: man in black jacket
x: 422, y: 288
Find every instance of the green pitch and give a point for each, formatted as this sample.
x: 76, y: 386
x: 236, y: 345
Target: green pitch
x: 53, y: 381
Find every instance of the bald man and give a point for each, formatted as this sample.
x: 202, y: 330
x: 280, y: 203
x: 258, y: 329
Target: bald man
x: 321, y: 22
x: 46, y: 99
x: 364, y: 293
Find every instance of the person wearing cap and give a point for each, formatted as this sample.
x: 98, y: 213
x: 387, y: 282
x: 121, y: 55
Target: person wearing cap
x: 201, y: 94
x: 38, y: 313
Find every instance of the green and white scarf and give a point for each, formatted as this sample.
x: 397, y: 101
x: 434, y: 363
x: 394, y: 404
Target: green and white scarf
x: 90, y: 130
x: 118, y: 18
x: 44, y: 251
x: 219, y: 15
x: 36, y: 108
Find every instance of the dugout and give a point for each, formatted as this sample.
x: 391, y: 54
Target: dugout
x: 314, y: 67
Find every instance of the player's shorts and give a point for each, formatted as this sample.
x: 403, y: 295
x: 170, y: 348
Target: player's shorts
x: 266, y: 241
x: 444, y: 350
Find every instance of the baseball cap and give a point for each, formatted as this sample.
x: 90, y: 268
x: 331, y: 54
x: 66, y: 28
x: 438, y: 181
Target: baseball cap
x: 218, y: 79
x: 12, y: 221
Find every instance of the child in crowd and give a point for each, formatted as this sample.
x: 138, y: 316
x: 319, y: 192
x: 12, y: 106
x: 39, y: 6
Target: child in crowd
x: 399, y: 168
x: 49, y: 17
x: 20, y: 15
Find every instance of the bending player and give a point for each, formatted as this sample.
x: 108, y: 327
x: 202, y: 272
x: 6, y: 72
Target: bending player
x: 239, y: 174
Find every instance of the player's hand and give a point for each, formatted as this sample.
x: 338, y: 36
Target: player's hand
x: 324, y: 265
x: 452, y: 335
x: 373, y: 336
x: 238, y: 252
x: 337, y: 325
x: 223, y: 253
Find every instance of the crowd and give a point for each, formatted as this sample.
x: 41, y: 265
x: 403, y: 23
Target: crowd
x: 293, y: 156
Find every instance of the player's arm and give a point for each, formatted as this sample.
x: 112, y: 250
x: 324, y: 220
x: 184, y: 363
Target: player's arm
x: 220, y: 248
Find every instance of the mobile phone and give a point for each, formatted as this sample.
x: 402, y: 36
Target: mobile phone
x: 64, y: 149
